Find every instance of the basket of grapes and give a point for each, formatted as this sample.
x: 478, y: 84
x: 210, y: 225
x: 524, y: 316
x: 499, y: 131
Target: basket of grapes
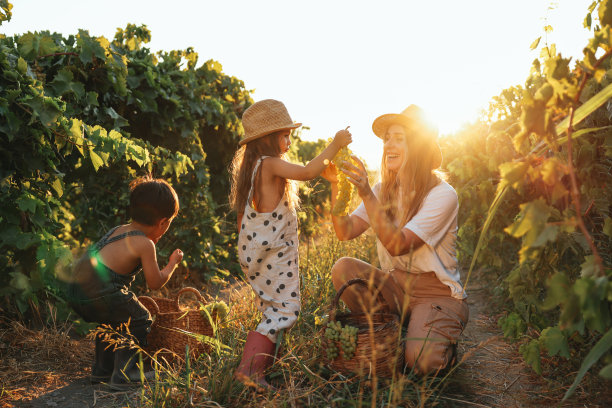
x: 363, y: 343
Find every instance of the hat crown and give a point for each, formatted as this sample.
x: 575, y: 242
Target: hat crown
x: 265, y: 117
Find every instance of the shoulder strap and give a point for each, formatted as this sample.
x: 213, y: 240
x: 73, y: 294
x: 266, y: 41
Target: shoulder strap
x: 250, y: 197
x: 119, y: 237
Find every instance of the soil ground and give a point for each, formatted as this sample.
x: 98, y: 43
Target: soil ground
x: 43, y: 369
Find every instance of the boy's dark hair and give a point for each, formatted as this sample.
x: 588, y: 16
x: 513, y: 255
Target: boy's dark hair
x: 151, y: 200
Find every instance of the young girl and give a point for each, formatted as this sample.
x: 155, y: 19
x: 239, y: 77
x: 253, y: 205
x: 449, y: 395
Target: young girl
x: 265, y: 201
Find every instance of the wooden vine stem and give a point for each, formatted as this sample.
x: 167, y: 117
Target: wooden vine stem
x: 575, y: 194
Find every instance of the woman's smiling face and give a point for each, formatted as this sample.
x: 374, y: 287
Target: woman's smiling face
x: 394, y: 149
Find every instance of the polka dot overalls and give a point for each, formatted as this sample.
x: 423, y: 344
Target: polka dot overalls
x: 268, y: 254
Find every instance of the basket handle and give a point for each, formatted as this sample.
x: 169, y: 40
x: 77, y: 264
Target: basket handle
x: 334, y: 305
x: 150, y: 304
x: 188, y: 289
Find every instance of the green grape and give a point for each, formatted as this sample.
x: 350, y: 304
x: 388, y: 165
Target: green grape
x: 345, y: 337
x: 345, y: 188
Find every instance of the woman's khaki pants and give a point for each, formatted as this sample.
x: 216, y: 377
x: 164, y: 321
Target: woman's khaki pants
x: 434, y: 319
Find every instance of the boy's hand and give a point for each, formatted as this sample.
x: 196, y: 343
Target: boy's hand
x: 176, y: 257
x: 343, y: 137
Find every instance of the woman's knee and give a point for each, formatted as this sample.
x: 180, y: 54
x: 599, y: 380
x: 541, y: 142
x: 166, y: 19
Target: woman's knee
x: 342, y: 271
x: 427, y: 357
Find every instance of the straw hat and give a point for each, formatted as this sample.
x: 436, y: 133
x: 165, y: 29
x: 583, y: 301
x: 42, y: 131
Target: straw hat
x: 265, y: 117
x: 413, y: 119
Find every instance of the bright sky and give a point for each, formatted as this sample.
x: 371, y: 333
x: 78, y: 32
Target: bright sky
x: 343, y: 62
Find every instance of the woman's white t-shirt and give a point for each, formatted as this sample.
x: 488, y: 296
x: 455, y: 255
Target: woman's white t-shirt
x: 436, y: 224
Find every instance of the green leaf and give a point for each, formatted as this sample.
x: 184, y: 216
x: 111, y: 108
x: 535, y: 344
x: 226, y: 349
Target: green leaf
x: 531, y: 354
x: 22, y: 66
x: 533, y: 215
x: 589, y: 268
x: 5, y: 11
x: 92, y: 99
x: 605, y: 13
x: 46, y: 109
x: 32, y: 45
x: 119, y: 121
x: 558, y: 291
x: 512, y: 325
x: 554, y: 341
x: 96, y: 160
x: 607, y: 229
x: 513, y: 172
x: 603, y: 345
x: 606, y: 372
x: 57, y: 186
x: 63, y: 83
x: 27, y: 202
x: 89, y: 47
x: 20, y: 282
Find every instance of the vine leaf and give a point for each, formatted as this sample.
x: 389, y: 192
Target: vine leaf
x: 553, y: 340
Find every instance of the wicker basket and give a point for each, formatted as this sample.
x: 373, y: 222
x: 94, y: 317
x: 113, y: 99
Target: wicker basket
x: 386, y: 341
x: 172, y: 327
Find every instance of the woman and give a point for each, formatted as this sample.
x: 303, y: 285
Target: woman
x: 413, y: 213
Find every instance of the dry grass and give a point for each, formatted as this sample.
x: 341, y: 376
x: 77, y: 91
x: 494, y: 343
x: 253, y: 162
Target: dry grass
x: 491, y: 372
x: 34, y: 361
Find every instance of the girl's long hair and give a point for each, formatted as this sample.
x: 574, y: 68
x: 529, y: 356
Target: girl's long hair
x: 414, y: 179
x: 243, y: 165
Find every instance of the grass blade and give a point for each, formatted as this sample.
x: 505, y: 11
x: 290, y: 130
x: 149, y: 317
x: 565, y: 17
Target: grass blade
x: 603, y: 345
x: 492, y: 210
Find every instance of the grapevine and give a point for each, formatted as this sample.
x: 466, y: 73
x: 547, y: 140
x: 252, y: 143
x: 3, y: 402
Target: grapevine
x: 346, y: 336
x: 345, y: 188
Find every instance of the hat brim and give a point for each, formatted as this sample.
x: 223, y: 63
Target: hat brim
x: 267, y: 132
x: 382, y: 123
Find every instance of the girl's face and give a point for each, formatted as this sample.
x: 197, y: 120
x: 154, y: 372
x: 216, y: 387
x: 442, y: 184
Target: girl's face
x: 284, y: 141
x: 395, y: 149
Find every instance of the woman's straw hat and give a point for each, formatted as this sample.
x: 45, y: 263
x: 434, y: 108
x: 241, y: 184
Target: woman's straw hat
x: 265, y: 117
x: 413, y: 119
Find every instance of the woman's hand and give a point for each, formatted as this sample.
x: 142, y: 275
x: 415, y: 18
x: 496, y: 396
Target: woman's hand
x: 330, y: 173
x: 358, y: 176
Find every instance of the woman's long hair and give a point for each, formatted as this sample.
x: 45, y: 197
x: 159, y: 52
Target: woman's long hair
x: 402, y: 193
x: 243, y: 165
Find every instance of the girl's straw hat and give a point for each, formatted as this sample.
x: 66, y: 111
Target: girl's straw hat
x: 265, y: 117
x: 412, y: 118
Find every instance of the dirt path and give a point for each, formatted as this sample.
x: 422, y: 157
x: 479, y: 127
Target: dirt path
x: 493, y: 374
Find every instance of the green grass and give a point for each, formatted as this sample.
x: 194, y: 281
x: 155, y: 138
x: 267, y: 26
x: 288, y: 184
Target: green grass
x: 300, y: 373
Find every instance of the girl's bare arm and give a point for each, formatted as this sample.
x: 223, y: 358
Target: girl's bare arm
x: 280, y: 168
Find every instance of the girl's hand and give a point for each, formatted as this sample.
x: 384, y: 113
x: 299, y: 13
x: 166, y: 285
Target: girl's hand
x: 330, y: 173
x: 343, y: 137
x: 176, y: 257
x: 358, y: 176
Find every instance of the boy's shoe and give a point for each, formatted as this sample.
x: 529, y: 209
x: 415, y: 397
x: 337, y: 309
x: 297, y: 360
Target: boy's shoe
x: 104, y: 362
x: 258, y: 355
x: 127, y: 370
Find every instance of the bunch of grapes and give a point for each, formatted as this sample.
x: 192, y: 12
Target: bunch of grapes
x: 345, y: 188
x: 218, y: 310
x: 346, y: 336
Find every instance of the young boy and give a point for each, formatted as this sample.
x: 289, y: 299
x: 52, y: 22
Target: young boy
x: 102, y: 277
